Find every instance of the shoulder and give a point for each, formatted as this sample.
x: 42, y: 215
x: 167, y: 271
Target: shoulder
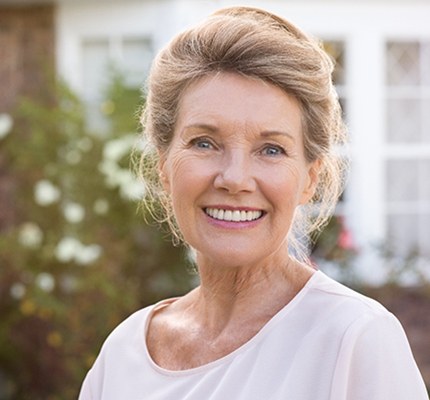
x: 337, y: 311
x: 125, y: 337
x: 344, y: 301
x: 118, y: 349
x: 129, y: 326
x: 374, y: 359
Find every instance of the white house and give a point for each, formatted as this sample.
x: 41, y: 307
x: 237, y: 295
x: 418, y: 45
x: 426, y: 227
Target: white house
x: 383, y: 78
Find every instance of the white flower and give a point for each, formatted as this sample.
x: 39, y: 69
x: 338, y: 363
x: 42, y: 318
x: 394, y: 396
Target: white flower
x: 45, y: 193
x: 116, y: 149
x: 101, y: 206
x: 6, y: 124
x: 17, y: 290
x: 73, y: 212
x: 67, y: 249
x: 88, y: 254
x: 45, y: 281
x: 130, y: 187
x: 30, y: 235
x: 109, y: 169
x: 71, y: 249
x: 132, y: 190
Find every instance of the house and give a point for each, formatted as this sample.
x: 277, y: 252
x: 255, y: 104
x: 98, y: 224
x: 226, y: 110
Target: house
x: 383, y: 77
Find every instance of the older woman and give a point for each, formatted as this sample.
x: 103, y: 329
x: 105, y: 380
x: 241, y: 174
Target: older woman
x: 245, y: 124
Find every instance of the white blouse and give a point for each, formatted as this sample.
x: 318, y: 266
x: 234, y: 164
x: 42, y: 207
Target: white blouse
x: 328, y: 343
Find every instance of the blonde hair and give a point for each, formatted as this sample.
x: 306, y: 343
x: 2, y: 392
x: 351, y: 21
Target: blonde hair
x: 258, y: 44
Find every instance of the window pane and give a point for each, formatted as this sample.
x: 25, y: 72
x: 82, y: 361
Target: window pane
x: 403, y: 120
x: 425, y: 235
x: 137, y: 56
x: 344, y: 106
x: 95, y: 60
x: 425, y: 111
x: 402, y: 233
x: 402, y: 180
x: 425, y: 182
x: 403, y: 63
x: 408, y: 122
x: 337, y: 50
x: 425, y: 63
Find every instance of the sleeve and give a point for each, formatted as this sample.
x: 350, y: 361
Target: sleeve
x: 91, y: 388
x: 376, y: 363
x: 85, y: 393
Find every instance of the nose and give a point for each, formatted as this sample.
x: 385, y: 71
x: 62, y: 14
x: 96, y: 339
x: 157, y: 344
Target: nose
x: 235, y: 173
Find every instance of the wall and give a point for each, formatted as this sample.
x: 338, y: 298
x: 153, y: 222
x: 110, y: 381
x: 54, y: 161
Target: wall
x: 26, y: 51
x: 364, y: 27
x: 26, y: 54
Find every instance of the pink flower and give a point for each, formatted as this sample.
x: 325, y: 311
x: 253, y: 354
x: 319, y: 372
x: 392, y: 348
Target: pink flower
x: 345, y: 240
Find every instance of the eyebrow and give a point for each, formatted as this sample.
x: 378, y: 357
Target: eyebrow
x: 206, y: 127
x: 278, y: 133
x: 214, y: 129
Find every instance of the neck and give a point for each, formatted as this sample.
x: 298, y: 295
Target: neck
x: 231, y: 295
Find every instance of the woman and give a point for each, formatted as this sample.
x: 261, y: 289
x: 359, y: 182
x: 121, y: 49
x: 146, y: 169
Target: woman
x: 245, y: 123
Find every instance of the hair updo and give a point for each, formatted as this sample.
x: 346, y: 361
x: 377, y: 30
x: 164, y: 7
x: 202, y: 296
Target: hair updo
x: 258, y: 44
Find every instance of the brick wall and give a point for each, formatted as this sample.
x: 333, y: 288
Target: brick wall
x: 26, y: 51
x: 26, y: 55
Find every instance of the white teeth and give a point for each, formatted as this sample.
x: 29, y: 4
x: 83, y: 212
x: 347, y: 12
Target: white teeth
x: 235, y: 216
x: 228, y: 215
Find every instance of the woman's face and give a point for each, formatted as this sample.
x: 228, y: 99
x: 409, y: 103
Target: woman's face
x: 236, y: 169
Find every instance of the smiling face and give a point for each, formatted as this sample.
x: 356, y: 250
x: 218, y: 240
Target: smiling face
x: 236, y: 169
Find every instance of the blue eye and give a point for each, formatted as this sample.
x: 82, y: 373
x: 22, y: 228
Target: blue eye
x: 202, y: 143
x: 272, y: 150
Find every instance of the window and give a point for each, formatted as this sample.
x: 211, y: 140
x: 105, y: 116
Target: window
x: 131, y: 55
x: 95, y: 62
x: 337, y: 50
x: 136, y: 60
x: 407, y: 165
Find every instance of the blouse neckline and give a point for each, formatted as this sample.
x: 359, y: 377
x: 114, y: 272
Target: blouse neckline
x: 225, y: 359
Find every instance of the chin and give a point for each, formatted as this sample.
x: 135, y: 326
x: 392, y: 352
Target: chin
x: 231, y: 256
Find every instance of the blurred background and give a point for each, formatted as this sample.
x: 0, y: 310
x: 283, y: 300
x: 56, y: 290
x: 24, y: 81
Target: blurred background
x: 77, y: 255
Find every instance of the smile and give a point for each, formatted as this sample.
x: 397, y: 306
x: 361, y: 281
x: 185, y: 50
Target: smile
x: 233, y: 215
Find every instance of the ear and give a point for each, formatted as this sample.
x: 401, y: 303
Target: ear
x: 311, y: 182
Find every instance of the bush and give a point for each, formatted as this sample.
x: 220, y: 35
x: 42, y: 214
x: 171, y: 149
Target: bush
x: 77, y: 257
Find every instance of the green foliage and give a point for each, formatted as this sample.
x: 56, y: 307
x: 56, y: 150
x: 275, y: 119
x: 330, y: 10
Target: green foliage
x: 78, y: 257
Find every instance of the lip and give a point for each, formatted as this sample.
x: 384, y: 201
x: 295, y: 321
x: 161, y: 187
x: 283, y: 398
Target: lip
x: 233, y: 208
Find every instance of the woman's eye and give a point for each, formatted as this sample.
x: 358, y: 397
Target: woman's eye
x: 202, y: 143
x: 272, y: 150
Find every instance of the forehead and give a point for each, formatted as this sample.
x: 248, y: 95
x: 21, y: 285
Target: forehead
x: 236, y: 100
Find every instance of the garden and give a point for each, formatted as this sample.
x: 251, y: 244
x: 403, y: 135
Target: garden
x: 78, y: 254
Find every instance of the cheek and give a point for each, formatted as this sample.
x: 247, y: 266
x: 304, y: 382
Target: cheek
x: 187, y: 174
x: 188, y: 179
x: 286, y: 184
